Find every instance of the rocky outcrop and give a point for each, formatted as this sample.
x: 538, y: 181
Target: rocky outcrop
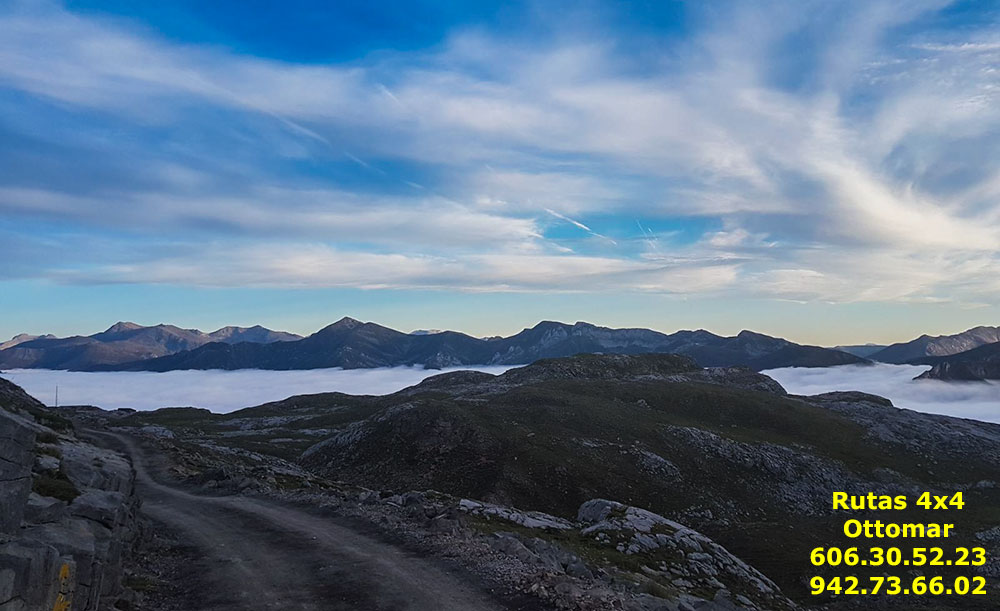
x: 677, y: 556
x: 686, y: 569
x: 67, y: 517
x: 528, y: 519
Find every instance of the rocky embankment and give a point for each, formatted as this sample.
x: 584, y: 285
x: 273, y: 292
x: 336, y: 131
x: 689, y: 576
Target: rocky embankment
x: 67, y: 513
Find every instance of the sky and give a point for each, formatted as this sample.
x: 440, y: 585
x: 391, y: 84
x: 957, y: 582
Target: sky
x: 823, y: 171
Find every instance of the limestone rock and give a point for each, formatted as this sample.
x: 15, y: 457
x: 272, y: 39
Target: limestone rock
x: 43, y: 509
x: 32, y: 575
x: 675, y: 554
x: 16, y: 458
x: 528, y: 519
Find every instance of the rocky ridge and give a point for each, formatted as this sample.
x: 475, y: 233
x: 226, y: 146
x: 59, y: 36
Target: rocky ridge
x: 353, y: 344
x: 937, y: 346
x: 120, y: 343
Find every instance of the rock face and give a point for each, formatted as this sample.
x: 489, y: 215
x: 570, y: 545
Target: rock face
x: 16, y: 460
x: 62, y: 545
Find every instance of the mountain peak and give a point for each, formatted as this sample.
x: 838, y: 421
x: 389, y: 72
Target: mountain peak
x: 344, y: 324
x: 121, y: 326
x: 746, y: 334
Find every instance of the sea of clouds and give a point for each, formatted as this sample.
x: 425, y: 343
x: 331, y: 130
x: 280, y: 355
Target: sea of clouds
x: 218, y: 391
x: 226, y: 391
x: 978, y: 400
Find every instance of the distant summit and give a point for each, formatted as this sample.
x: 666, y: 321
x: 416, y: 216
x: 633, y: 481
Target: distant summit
x: 936, y: 346
x: 122, y: 342
x: 20, y: 339
x: 121, y: 327
x: 978, y: 364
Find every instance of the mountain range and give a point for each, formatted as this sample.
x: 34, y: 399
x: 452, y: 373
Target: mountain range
x: 123, y: 342
x: 936, y: 346
x: 352, y: 344
x: 982, y: 363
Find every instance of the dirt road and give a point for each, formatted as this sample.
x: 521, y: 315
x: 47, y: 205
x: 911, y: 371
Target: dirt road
x: 252, y: 554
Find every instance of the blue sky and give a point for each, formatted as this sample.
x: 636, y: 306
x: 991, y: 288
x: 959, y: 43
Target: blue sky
x: 825, y: 171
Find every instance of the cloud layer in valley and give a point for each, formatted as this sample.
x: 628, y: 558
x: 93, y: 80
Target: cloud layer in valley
x: 980, y: 401
x: 218, y: 391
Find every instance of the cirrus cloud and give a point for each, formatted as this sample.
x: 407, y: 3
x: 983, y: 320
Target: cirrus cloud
x: 843, y: 159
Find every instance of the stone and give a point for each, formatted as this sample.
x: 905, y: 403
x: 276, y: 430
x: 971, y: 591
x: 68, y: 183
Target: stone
x: 369, y: 497
x: 105, y: 507
x: 528, y: 519
x: 44, y: 462
x: 511, y: 545
x: 30, y: 575
x: 88, y: 466
x: 413, y: 498
x: 43, y: 509
x: 579, y: 570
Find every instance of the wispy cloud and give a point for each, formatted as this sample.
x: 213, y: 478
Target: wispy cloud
x: 320, y: 266
x: 843, y: 159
